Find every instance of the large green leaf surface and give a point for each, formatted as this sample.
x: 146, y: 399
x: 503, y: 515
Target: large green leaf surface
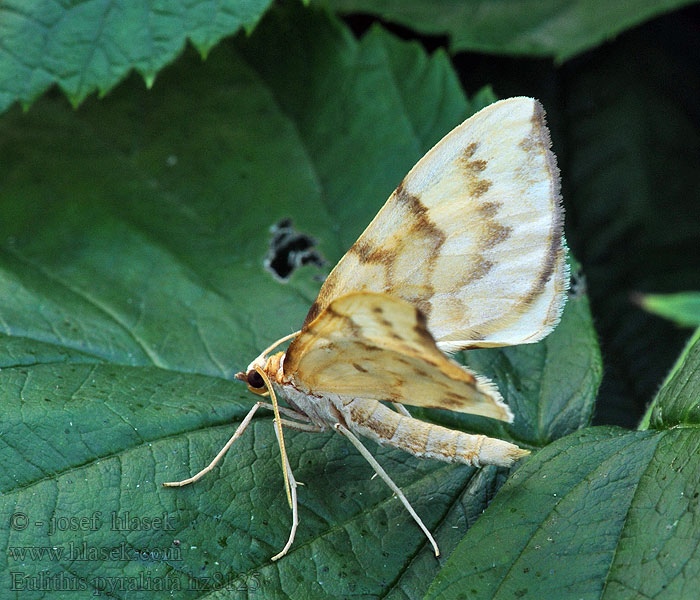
x: 132, y: 288
x: 601, y: 513
x: 88, y: 45
x: 558, y: 29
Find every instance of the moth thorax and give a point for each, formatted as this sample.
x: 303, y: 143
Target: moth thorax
x: 273, y: 367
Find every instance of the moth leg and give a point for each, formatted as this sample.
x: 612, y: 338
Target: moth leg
x: 401, y: 409
x: 293, y: 490
x: 306, y: 426
x: 394, y: 488
x: 241, y: 428
x: 310, y: 427
x: 286, y: 411
x: 293, y: 483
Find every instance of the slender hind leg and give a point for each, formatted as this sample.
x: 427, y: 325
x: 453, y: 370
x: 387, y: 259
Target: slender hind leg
x: 382, y: 473
x: 309, y: 427
x: 241, y: 428
x: 293, y: 483
x: 295, y: 511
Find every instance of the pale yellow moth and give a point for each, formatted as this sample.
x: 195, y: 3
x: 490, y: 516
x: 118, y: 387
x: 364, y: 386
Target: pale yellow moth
x: 468, y: 252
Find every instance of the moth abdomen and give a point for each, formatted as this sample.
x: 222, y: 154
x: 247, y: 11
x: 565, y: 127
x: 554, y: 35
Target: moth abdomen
x: 427, y: 440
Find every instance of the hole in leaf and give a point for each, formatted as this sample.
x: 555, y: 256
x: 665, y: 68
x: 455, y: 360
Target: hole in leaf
x: 290, y: 250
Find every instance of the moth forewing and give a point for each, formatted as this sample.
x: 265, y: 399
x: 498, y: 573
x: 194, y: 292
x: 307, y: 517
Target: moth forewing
x: 472, y: 236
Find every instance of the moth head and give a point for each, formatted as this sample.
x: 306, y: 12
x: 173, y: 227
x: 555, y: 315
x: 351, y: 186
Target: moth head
x: 272, y: 367
x: 252, y: 378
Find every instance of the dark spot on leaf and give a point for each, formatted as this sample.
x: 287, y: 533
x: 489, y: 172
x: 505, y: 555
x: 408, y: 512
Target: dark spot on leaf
x: 290, y: 250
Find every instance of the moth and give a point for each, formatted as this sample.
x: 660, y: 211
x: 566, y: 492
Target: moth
x: 468, y: 252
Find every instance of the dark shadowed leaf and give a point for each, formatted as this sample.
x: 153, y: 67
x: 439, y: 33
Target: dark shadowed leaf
x: 629, y: 164
x: 558, y: 29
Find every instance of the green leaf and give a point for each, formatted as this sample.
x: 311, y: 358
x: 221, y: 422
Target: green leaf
x: 601, y: 513
x: 683, y: 308
x: 132, y: 288
x: 88, y: 45
x: 678, y: 400
x: 558, y: 29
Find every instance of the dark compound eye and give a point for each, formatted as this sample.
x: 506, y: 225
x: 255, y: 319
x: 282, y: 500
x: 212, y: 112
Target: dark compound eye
x: 254, y: 379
